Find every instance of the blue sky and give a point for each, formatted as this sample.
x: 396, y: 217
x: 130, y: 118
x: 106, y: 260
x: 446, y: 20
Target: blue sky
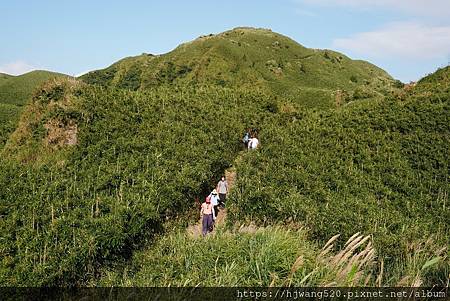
x: 408, y: 38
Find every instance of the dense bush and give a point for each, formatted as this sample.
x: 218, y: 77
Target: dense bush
x: 141, y: 157
x: 9, y: 116
x: 380, y: 168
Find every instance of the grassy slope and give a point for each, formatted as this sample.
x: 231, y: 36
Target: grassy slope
x: 141, y: 157
x: 267, y: 257
x: 381, y: 168
x: 15, y: 92
x: 376, y: 167
x: 9, y: 116
x: 248, y: 57
x: 4, y: 76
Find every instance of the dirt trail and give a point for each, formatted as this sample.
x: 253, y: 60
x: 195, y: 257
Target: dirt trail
x: 196, y: 230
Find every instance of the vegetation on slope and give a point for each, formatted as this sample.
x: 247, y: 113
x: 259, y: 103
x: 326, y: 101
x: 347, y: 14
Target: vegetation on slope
x: 17, y: 90
x: 91, y: 170
x: 4, y: 76
x: 381, y: 168
x: 270, y: 256
x: 9, y: 116
x: 140, y: 157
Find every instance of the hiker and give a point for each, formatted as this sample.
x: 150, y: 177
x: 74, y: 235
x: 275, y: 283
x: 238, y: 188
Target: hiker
x: 246, y: 138
x: 207, y: 215
x: 215, y: 200
x: 253, y: 143
x: 222, y: 188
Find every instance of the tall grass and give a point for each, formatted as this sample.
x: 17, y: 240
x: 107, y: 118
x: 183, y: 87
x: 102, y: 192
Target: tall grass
x: 380, y: 168
x: 270, y: 256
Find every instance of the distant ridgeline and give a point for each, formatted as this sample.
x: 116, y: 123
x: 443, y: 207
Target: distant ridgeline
x: 96, y: 167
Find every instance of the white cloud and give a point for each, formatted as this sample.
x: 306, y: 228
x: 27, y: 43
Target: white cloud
x: 400, y: 40
x: 16, y: 68
x: 416, y: 7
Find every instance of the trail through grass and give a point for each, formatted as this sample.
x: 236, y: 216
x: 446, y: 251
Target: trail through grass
x: 195, y: 230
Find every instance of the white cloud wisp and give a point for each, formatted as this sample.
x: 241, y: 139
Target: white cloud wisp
x: 400, y: 40
x: 16, y: 68
x: 416, y: 7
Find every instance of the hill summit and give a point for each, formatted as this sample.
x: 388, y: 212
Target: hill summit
x: 251, y: 57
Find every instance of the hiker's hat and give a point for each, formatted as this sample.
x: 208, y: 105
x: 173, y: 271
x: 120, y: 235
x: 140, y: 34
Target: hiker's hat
x: 214, y: 191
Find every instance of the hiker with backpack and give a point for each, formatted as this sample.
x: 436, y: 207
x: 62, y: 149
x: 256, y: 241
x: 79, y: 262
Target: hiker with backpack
x: 207, y: 215
x: 222, y: 188
x: 246, y: 138
x: 215, y: 200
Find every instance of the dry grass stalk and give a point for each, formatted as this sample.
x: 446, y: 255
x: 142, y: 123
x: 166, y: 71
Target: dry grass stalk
x: 349, y: 267
x: 329, y: 245
x: 380, y: 275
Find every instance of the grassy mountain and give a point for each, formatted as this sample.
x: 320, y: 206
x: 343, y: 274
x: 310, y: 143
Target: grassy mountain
x: 99, y: 172
x: 249, y: 57
x: 380, y: 167
x: 110, y: 166
x: 15, y: 92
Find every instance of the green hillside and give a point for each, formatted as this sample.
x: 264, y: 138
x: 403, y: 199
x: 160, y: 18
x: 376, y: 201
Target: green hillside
x: 379, y: 168
x: 105, y: 168
x: 9, y: 116
x: 15, y: 92
x: 4, y: 76
x: 249, y: 57
x: 101, y: 175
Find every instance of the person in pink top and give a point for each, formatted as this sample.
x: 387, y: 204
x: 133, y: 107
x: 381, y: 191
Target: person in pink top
x: 207, y: 215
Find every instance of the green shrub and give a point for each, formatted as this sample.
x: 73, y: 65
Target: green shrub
x: 379, y: 168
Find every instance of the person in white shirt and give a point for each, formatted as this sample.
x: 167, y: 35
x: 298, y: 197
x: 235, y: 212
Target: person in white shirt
x: 253, y: 143
x: 222, y: 188
x: 215, y: 200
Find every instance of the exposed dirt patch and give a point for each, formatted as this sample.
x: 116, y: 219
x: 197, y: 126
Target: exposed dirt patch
x: 60, y: 133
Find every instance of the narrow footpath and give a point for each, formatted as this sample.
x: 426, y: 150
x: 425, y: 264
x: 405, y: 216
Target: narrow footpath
x: 195, y: 231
